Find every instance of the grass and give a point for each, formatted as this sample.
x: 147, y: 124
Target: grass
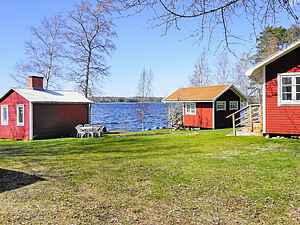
x: 161, y: 177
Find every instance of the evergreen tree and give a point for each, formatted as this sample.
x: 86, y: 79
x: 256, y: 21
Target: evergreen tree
x: 272, y: 39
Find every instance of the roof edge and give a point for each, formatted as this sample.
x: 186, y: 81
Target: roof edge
x: 19, y: 93
x: 226, y: 87
x: 6, y: 94
x: 183, y: 101
x: 272, y: 58
x: 58, y: 102
x: 234, y: 89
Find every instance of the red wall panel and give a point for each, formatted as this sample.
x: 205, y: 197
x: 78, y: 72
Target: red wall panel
x: 203, y: 117
x: 283, y: 119
x: 220, y: 116
x: 58, y: 120
x: 12, y: 131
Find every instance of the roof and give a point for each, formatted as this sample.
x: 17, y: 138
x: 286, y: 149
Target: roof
x: 46, y: 96
x: 36, y: 76
x: 200, y: 94
x: 258, y: 68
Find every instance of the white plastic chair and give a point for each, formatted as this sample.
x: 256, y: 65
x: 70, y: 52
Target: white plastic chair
x: 80, y: 132
x: 99, y: 130
x: 89, y: 131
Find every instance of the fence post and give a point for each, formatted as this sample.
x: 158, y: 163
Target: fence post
x: 89, y: 113
x: 233, y: 125
x: 260, y: 118
x: 250, y: 118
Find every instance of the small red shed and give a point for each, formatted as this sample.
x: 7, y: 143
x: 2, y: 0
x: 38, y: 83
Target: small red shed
x: 280, y: 78
x: 207, y: 107
x: 37, y: 113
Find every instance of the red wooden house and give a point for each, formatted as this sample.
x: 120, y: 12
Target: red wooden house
x: 280, y: 78
x: 207, y: 107
x: 37, y: 113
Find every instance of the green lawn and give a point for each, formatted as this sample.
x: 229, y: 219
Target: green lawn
x: 164, y: 177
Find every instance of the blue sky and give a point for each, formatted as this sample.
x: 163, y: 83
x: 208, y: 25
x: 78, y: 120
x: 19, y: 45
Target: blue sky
x: 171, y: 57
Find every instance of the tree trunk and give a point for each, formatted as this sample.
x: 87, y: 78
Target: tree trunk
x: 87, y: 75
x: 49, y: 72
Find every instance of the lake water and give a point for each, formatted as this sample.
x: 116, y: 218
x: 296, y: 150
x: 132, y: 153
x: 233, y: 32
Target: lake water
x: 125, y: 116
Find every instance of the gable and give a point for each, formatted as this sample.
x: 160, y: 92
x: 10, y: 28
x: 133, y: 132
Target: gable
x: 6, y: 95
x: 257, y: 71
x: 12, y: 97
x: 229, y: 95
x: 287, y: 63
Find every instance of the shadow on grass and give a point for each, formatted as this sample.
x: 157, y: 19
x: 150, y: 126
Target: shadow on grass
x: 11, y: 180
x: 116, y: 145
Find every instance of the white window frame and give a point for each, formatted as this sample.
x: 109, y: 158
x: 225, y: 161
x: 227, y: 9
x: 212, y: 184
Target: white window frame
x: 236, y: 105
x: 4, y: 123
x: 293, y: 101
x: 218, y: 106
x: 18, y: 116
x: 191, y: 110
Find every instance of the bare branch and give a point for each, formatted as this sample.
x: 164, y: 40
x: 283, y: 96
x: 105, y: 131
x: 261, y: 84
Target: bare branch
x: 89, y: 34
x: 208, y: 17
x: 43, y: 53
x: 220, y: 8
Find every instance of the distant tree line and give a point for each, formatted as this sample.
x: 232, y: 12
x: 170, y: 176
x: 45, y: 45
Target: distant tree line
x: 137, y: 99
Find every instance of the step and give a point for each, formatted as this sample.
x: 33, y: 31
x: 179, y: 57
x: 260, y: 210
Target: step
x: 248, y: 133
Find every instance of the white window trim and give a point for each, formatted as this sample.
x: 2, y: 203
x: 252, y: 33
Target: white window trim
x: 220, y: 109
x: 235, y: 108
x: 264, y: 99
x: 4, y: 123
x: 189, y: 112
x: 30, y: 121
x: 279, y: 82
x: 213, y: 116
x: 17, y: 108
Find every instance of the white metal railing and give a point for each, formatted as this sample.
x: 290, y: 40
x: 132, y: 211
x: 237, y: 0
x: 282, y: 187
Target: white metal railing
x: 246, y: 117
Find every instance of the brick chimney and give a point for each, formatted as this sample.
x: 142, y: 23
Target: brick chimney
x: 35, y: 82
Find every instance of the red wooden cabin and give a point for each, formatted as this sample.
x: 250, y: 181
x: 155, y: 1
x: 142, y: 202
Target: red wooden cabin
x: 207, y: 107
x: 280, y: 78
x: 37, y: 113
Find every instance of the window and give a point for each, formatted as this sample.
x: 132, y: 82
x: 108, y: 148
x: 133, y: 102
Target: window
x: 233, y: 105
x: 190, y: 108
x: 289, y: 89
x: 4, y: 115
x: 20, y: 115
x: 297, y: 88
x: 221, y: 105
x: 286, y: 88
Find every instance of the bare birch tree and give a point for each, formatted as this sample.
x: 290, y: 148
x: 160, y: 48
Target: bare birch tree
x: 200, y: 76
x: 144, y: 91
x: 89, y: 35
x: 43, y: 53
x: 240, y: 79
x: 223, y: 70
